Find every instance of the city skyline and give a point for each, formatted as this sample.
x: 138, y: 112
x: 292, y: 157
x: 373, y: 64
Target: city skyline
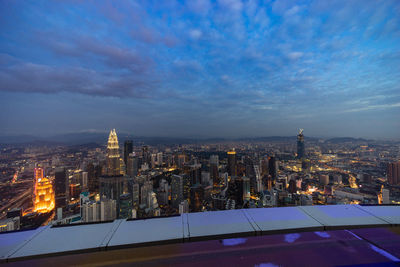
x: 225, y: 68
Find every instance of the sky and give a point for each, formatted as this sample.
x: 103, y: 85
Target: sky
x: 200, y: 68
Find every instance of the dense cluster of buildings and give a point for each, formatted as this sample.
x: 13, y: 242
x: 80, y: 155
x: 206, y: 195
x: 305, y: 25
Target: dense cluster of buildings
x: 92, y: 184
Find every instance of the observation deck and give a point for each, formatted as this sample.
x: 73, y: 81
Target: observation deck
x: 345, y: 234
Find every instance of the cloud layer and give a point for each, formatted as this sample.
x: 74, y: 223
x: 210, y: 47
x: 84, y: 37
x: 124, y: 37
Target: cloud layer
x: 256, y: 63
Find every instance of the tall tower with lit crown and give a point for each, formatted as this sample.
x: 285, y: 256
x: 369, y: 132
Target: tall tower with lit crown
x: 113, y: 159
x: 300, y: 145
x: 232, y: 171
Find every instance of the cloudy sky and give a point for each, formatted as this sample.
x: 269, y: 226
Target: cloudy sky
x: 200, y: 68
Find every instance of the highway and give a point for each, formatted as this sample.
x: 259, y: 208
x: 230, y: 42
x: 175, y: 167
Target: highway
x: 15, y: 202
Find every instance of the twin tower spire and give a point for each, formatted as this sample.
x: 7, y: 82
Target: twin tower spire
x: 113, y: 158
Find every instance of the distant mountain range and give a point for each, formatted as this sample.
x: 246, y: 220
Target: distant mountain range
x: 347, y: 139
x: 101, y: 138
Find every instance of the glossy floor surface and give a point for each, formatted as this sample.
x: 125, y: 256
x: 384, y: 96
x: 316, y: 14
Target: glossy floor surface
x: 356, y: 247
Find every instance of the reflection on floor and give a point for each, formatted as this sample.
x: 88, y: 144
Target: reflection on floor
x: 360, y: 247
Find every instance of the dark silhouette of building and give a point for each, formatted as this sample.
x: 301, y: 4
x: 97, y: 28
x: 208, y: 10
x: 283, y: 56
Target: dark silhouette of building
x: 250, y: 173
x: 146, y: 155
x: 292, y: 186
x: 393, y: 173
x: 232, y: 171
x: 128, y: 149
x: 186, y: 186
x: 60, y: 190
x: 214, y: 162
x: 94, y: 172
x: 196, y: 198
x: 235, y: 191
x: 111, y: 187
x: 194, y: 171
x: 272, y: 170
x: 132, y: 165
x: 300, y: 145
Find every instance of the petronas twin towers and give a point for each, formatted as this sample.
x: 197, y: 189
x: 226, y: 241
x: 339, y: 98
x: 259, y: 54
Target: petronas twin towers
x: 113, y: 158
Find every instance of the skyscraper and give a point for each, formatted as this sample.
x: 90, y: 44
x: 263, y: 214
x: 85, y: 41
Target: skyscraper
x: 393, y: 173
x: 61, y: 185
x: 186, y: 186
x: 85, y: 183
x: 135, y: 195
x: 128, y: 149
x: 176, y: 190
x: 132, y: 165
x: 246, y: 188
x: 196, y: 198
x: 146, y: 155
x: 194, y: 171
x: 160, y: 158
x: 214, y: 162
x: 272, y: 170
x: 300, y: 145
x: 44, y: 194
x: 125, y: 206
x: 259, y: 186
x: 113, y: 159
x: 91, y: 211
x: 232, y: 163
x: 112, y: 185
x: 94, y: 172
x: 108, y: 209
x: 39, y: 174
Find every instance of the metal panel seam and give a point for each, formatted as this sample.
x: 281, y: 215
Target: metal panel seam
x: 26, y: 242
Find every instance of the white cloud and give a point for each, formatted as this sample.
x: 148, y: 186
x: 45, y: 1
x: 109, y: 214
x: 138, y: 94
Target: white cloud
x: 200, y: 6
x: 374, y: 107
x: 295, y: 55
x: 195, y: 34
x: 235, y: 5
x: 292, y: 11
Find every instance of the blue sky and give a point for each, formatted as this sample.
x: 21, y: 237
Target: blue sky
x: 225, y: 68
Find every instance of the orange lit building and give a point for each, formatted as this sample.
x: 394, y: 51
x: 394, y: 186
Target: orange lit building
x: 38, y: 174
x: 44, y: 194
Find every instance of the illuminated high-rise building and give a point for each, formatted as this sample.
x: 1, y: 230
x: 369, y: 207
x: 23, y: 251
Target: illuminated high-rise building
x: 232, y: 163
x: 113, y: 158
x: 300, y: 145
x: 43, y: 193
x: 176, y: 190
x: 39, y: 174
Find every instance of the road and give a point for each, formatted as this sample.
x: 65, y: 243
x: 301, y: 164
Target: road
x: 15, y: 202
